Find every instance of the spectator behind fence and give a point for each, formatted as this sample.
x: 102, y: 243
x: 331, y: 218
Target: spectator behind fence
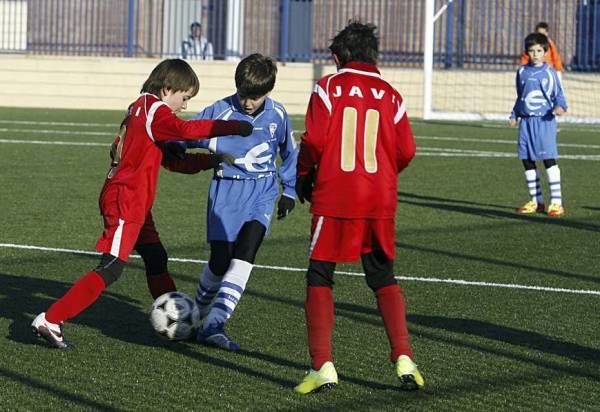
x: 552, y: 56
x: 196, y: 46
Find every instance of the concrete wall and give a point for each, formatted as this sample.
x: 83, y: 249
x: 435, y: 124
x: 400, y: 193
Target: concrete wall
x: 112, y: 83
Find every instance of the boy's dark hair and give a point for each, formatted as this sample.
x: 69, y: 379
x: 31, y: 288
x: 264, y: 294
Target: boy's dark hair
x: 536, y: 38
x: 356, y: 42
x: 542, y: 25
x: 255, y: 76
x: 172, y: 74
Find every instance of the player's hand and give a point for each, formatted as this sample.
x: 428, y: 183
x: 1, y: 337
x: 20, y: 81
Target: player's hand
x: 226, y: 158
x: 246, y: 128
x: 174, y: 150
x: 304, y: 187
x: 285, y: 206
x: 512, y: 122
x: 559, y: 111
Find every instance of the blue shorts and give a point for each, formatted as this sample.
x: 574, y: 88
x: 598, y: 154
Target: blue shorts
x: 537, y: 138
x: 232, y: 202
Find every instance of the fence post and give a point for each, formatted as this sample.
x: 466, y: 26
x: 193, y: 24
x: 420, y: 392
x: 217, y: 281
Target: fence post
x: 284, y: 37
x: 460, y: 29
x: 449, y: 35
x: 130, y: 27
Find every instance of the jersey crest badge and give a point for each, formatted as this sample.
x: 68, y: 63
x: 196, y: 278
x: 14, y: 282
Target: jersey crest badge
x: 272, y: 129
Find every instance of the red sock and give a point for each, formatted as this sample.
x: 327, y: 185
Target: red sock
x: 82, y: 294
x: 391, y: 306
x: 319, y: 322
x: 160, y: 284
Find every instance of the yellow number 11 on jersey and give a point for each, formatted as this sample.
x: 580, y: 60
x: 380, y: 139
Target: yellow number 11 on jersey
x: 348, y: 161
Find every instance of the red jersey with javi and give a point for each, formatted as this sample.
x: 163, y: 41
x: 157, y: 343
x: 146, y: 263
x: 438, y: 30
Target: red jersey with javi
x: 137, y: 155
x: 359, y: 135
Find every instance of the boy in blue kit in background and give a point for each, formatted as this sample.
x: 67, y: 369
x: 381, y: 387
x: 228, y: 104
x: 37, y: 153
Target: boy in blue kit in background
x: 540, y: 98
x: 242, y: 195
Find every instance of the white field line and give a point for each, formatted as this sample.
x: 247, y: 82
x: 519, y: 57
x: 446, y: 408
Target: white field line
x: 448, y: 152
x: 53, y: 142
x: 113, y: 126
x: 58, y: 132
x: 422, y: 151
x: 77, y: 124
x: 500, y: 141
x: 295, y: 269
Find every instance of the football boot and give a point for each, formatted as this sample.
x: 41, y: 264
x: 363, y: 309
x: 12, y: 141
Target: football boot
x: 410, y: 377
x: 215, y: 336
x: 555, y: 210
x: 531, y: 207
x: 315, y: 381
x: 50, y: 332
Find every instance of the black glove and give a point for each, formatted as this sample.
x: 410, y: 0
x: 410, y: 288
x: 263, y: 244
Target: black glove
x: 174, y: 150
x: 246, y: 128
x: 217, y: 159
x: 285, y: 206
x: 304, y: 186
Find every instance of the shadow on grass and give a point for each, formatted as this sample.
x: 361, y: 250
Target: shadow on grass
x: 486, y: 330
x: 472, y: 327
x: 115, y: 315
x: 498, y: 262
x: 461, y: 206
x: 59, y: 393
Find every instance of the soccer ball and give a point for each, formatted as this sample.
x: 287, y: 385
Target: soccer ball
x: 173, y: 315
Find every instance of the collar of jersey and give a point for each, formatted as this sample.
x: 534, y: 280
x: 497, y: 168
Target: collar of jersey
x: 361, y: 67
x: 235, y: 104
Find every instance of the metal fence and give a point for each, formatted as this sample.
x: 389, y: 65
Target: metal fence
x: 471, y: 33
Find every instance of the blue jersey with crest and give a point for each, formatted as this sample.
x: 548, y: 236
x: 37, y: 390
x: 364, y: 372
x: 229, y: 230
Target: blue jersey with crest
x: 255, y: 155
x: 538, y: 92
x: 247, y: 190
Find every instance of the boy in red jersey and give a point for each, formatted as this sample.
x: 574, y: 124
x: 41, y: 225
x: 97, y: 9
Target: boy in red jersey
x: 129, y: 189
x: 357, y: 140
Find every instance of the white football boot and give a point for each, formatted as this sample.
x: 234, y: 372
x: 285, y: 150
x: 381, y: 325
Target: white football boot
x: 50, y: 332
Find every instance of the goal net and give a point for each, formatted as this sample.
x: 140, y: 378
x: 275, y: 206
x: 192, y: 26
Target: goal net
x: 471, y: 55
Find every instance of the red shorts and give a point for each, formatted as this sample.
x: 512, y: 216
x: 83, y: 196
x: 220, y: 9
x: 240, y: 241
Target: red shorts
x: 345, y: 240
x: 120, y: 236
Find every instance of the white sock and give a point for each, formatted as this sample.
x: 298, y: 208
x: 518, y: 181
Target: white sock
x: 207, y: 289
x: 230, y: 293
x: 534, y: 187
x: 553, y: 174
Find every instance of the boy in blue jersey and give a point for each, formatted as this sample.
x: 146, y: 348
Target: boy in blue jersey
x: 539, y: 99
x: 242, y: 194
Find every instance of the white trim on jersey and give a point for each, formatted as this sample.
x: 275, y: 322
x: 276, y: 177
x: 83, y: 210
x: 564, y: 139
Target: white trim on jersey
x: 315, y: 236
x: 372, y: 74
x: 115, y: 247
x: 279, y: 111
x: 324, y: 97
x: 400, y: 113
x: 226, y: 113
x: 150, y: 117
x: 551, y: 83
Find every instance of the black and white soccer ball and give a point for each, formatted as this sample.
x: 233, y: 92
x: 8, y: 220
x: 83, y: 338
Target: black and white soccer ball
x: 173, y: 315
